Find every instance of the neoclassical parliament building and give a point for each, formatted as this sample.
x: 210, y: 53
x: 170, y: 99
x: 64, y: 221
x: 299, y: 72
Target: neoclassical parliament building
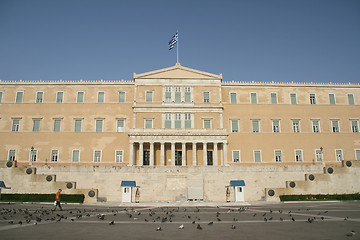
x: 178, y: 128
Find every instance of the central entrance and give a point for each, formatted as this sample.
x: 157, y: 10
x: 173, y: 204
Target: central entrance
x: 146, y: 158
x: 178, y: 158
x: 209, y: 158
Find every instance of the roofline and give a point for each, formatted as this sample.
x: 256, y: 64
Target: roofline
x: 177, y: 66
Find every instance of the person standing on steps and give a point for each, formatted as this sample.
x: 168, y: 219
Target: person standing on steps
x: 57, y: 200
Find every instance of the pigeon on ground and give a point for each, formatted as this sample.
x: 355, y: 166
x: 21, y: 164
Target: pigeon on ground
x: 112, y: 222
x: 310, y: 220
x: 210, y: 223
x: 181, y: 226
x: 158, y: 229
x: 233, y: 227
x: 351, y: 234
x: 199, y: 227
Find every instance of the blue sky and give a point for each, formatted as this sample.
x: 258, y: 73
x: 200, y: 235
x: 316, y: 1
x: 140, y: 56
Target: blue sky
x: 269, y: 40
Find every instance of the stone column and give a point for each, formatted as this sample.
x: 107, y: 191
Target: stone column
x: 173, y: 154
x: 162, y: 154
x: 183, y: 160
x: 151, y: 153
x: 131, y: 154
x: 205, y: 153
x: 224, y: 158
x: 216, y: 154
x: 141, y: 153
x: 194, y: 153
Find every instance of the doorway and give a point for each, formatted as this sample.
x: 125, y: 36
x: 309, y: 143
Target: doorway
x: 178, y: 158
x: 209, y: 158
x: 126, y: 194
x: 239, y: 194
x: 146, y: 158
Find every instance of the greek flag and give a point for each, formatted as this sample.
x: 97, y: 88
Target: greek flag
x: 173, y: 41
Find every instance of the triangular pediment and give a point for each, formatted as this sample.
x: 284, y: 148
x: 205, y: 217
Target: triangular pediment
x: 177, y: 72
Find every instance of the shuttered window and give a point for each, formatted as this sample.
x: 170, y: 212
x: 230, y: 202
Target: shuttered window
x: 274, y: 98
x: 233, y: 99
x: 257, y: 156
x: 77, y: 126
x: 98, y: 125
x: 101, y: 97
x: 253, y: 98
x: 121, y: 97
x: 57, y: 123
x: 36, y: 125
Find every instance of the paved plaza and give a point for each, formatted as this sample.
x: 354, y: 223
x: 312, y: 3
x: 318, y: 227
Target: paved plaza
x: 310, y: 220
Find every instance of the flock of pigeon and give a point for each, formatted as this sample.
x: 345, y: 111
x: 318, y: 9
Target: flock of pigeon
x: 191, y: 216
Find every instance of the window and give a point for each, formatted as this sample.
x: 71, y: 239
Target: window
x: 357, y: 154
x: 206, y: 96
x: 253, y: 98
x: 187, y: 120
x: 319, y: 155
x: 354, y: 126
x: 167, y: 120
x: 119, y: 156
x: 177, y: 94
x: 33, y: 155
x: 76, y: 155
x: 39, y: 97
x: 293, y: 98
x: 234, y: 126
x: 1, y: 95
x: 296, y: 126
x: 168, y: 94
x: 276, y: 126
x: 332, y: 99
x: 57, y: 123
x: 97, y: 156
x: 54, y: 155
x: 80, y: 97
x: 59, y: 97
x: 335, y: 126
x: 351, y: 99
x: 338, y: 155
x: 187, y: 94
x: 298, y: 156
x: 207, y: 123
x: 15, y: 125
x: 233, y: 98
x: 316, y: 126
x: 149, y: 96
x: 257, y: 156
x: 312, y: 98
x: 99, y: 125
x: 12, y: 154
x: 121, y: 97
x: 236, y: 156
x: 101, y: 97
x: 274, y: 99
x: 120, y: 125
x: 19, y: 97
x: 177, y: 120
x: 255, y: 126
x: 77, y: 127
x: 36, y: 125
x: 148, y: 123
x: 278, y: 156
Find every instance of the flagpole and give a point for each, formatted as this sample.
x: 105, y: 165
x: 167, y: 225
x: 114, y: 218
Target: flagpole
x: 177, y: 48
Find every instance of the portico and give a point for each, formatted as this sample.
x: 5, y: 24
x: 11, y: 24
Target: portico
x: 177, y: 150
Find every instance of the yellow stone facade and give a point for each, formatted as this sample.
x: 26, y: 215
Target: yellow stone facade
x: 178, y: 116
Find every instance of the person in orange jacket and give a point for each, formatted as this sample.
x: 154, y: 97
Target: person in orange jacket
x: 57, y: 200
